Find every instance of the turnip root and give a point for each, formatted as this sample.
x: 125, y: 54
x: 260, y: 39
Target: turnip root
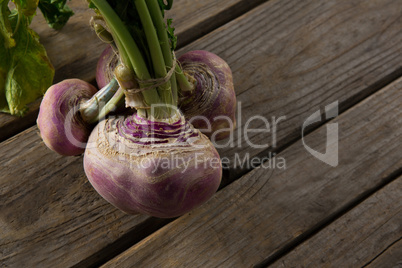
x: 61, y: 101
x: 160, y: 168
x: 68, y: 111
x: 212, y: 103
x: 107, y: 62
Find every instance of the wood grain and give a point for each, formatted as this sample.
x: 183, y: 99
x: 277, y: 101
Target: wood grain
x: 356, y: 238
x: 277, y: 70
x: 255, y: 216
x: 193, y: 19
x: 74, y: 50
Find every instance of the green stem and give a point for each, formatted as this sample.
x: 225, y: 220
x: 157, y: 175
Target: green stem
x: 157, y: 19
x: 111, y: 104
x: 155, y: 50
x: 89, y: 109
x: 123, y: 56
x: 126, y: 43
x: 19, y: 15
x: 184, y: 84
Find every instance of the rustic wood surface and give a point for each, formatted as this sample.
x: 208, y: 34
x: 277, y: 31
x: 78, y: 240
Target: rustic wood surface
x: 357, y: 238
x: 301, y: 56
x: 11, y: 125
x: 254, y: 217
x: 74, y: 50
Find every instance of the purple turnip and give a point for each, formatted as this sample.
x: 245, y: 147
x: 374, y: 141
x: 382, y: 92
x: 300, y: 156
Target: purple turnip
x: 68, y: 111
x: 159, y: 168
x: 107, y: 62
x: 211, y: 105
x: 59, y: 101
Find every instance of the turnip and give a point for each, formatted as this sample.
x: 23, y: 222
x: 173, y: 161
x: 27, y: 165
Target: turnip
x: 68, y: 111
x: 211, y: 105
x: 157, y: 168
x: 107, y: 62
x: 152, y: 162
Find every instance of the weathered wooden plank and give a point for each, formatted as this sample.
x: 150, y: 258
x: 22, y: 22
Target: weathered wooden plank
x: 255, y: 216
x: 376, y: 56
x: 356, y: 238
x: 193, y: 19
x: 390, y: 258
x: 11, y: 125
x: 75, y: 49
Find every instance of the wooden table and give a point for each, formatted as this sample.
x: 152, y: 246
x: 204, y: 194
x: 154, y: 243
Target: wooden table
x: 289, y: 59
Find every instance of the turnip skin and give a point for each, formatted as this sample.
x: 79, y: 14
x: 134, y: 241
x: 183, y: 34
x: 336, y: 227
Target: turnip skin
x: 206, y: 101
x: 108, y: 60
x: 122, y: 165
x: 57, y: 106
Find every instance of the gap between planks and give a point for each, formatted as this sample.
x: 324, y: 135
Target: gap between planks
x: 390, y: 257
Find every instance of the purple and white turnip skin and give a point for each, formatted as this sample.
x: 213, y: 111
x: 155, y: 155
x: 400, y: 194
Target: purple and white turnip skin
x: 213, y: 97
x: 61, y: 103
x: 108, y: 60
x: 163, y: 169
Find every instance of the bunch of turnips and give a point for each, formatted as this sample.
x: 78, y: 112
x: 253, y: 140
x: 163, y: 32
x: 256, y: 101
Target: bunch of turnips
x: 143, y: 150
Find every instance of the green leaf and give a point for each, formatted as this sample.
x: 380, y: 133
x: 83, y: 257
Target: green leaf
x: 171, y: 35
x: 3, y: 75
x: 56, y: 12
x: 5, y: 28
x: 26, y: 7
x: 25, y: 70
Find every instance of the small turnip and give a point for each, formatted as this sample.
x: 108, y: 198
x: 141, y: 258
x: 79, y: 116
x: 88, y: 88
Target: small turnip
x: 107, y: 62
x: 212, y: 103
x: 68, y: 112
